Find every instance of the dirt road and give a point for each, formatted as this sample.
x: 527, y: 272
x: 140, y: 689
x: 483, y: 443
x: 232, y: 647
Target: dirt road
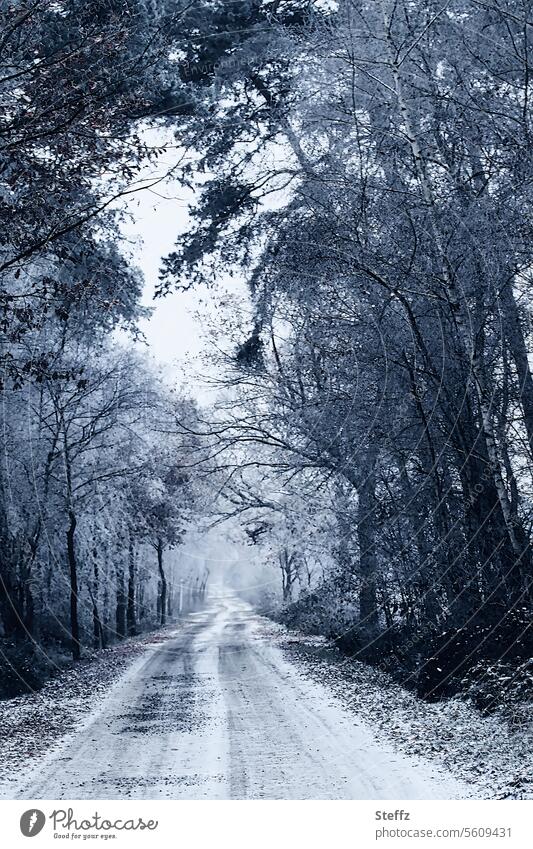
x: 216, y: 713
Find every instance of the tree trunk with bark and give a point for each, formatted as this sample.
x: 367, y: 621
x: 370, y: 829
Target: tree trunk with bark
x: 163, y: 588
x: 368, y: 606
x: 131, y: 617
x: 120, y: 607
x: 73, y: 572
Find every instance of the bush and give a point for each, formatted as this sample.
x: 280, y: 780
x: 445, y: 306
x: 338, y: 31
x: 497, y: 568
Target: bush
x: 502, y: 687
x: 492, y: 638
x: 24, y: 667
x: 326, y: 612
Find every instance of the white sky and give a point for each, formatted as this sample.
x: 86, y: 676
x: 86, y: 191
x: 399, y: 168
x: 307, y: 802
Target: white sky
x: 175, y: 333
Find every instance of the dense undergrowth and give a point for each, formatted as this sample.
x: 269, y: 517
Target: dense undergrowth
x: 488, y: 661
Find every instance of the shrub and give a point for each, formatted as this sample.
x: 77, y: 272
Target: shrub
x: 24, y: 667
x: 490, y: 638
x: 502, y: 687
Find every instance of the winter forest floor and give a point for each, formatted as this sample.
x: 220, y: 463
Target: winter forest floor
x: 484, y: 751
x: 32, y: 725
x: 231, y: 663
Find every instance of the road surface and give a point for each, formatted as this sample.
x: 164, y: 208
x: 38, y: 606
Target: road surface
x: 217, y: 713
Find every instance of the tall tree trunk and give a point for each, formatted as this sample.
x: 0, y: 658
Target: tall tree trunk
x: 106, y: 630
x: 368, y: 610
x: 29, y: 609
x: 163, y: 582
x: 170, y: 599
x: 517, y: 345
x: 10, y: 612
x: 73, y: 569
x: 286, y: 562
x: 98, y: 631
x: 141, y: 607
x: 120, y: 608
x: 131, y: 615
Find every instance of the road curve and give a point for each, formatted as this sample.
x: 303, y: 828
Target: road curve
x: 217, y: 713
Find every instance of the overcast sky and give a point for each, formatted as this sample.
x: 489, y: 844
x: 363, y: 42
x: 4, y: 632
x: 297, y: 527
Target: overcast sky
x: 175, y: 333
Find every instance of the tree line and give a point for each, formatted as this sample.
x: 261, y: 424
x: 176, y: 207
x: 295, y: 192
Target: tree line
x: 370, y: 172
x: 366, y: 167
x: 96, y: 487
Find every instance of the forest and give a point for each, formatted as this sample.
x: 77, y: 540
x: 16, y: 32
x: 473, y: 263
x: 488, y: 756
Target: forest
x: 365, y: 168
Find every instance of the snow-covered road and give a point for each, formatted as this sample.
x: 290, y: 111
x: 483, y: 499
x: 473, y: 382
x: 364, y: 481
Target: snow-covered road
x: 216, y: 713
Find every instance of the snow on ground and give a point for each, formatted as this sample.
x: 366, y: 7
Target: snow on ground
x: 216, y: 712
x: 230, y: 705
x: 33, y: 725
x: 487, y: 752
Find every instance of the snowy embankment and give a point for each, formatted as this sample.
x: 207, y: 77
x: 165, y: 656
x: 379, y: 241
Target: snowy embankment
x: 32, y: 726
x: 486, y: 752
